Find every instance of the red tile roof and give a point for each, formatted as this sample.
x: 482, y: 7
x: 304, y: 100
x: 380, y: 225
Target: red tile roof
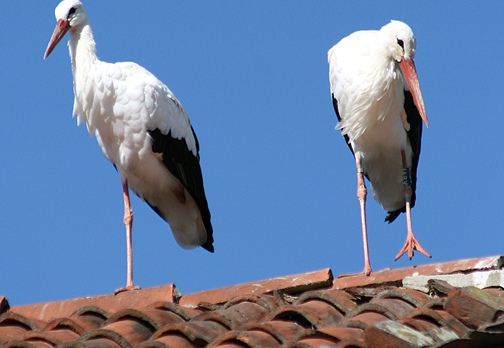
x: 412, y: 307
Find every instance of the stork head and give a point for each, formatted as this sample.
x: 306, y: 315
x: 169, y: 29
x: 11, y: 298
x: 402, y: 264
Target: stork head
x: 400, y: 40
x: 69, y: 15
x: 402, y: 45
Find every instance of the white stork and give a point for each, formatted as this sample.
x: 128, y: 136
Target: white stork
x: 142, y: 129
x: 377, y: 99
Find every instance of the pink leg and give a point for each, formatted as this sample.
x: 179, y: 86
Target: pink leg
x: 411, y: 242
x: 128, y: 223
x: 361, y: 196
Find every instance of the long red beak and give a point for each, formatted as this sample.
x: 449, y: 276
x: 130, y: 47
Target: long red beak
x: 409, y: 71
x: 58, y: 33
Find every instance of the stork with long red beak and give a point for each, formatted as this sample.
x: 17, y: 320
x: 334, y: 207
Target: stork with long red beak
x: 380, y: 109
x: 142, y: 129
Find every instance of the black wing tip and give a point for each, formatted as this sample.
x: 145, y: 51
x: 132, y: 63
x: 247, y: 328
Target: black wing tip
x: 392, y: 215
x: 208, y: 245
x: 205, y: 215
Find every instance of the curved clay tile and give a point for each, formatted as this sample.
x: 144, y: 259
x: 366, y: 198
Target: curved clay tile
x: 253, y: 339
x: 185, y: 313
x: 339, y: 299
x: 413, y: 297
x: 297, y: 315
x: 194, y: 331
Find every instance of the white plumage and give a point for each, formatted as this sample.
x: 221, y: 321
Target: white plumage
x: 141, y: 128
x: 377, y: 99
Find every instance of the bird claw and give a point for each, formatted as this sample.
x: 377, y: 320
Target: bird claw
x: 127, y: 288
x: 410, y: 245
x: 366, y: 271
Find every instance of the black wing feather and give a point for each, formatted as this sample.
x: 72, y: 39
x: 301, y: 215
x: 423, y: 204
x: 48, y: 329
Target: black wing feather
x: 347, y: 139
x: 415, y: 137
x: 186, y: 168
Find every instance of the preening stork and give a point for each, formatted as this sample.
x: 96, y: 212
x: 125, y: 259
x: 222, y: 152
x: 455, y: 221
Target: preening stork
x: 142, y: 129
x: 377, y: 99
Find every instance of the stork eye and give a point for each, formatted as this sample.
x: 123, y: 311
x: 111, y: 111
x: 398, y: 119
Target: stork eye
x: 400, y: 43
x: 71, y: 12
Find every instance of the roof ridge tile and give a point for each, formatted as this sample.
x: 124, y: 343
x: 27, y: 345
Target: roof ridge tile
x: 477, y: 278
x: 292, y: 311
x: 395, y: 276
x: 110, y: 302
x: 289, y: 284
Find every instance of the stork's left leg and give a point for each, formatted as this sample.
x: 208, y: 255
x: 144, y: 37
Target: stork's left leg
x: 128, y: 223
x: 411, y: 242
x: 361, y: 196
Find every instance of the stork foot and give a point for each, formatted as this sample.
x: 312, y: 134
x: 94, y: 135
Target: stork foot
x: 410, y: 245
x: 366, y: 271
x: 127, y: 288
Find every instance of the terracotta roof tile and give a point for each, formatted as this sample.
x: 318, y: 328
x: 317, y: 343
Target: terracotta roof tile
x: 345, y: 335
x: 289, y: 284
x: 200, y: 332
x: 306, y: 310
x: 391, y: 334
x: 283, y: 328
x: 475, y: 308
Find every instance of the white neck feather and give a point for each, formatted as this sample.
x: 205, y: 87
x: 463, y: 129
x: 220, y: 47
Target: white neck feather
x: 82, y: 49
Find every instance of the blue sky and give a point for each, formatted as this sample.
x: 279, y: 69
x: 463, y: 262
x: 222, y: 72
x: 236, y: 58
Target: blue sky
x: 280, y: 181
